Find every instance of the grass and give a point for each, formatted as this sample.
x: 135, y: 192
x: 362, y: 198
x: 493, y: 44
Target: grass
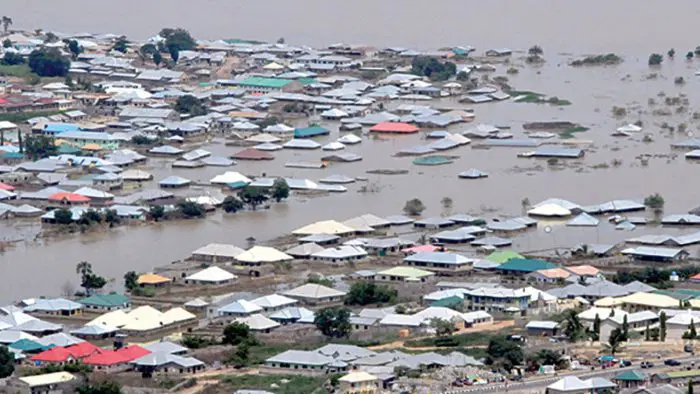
x: 296, y: 384
x: 569, y: 133
x: 21, y: 117
x: 460, y: 340
x: 18, y: 70
x: 526, y: 96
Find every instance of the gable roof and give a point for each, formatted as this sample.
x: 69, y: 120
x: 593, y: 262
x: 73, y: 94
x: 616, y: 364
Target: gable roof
x: 314, y: 291
x: 525, y: 265
x: 212, y: 274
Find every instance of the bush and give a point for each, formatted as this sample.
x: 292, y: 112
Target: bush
x: 432, y: 68
x: 49, y: 63
x: 414, y: 207
x: 655, y: 59
x: 365, y: 293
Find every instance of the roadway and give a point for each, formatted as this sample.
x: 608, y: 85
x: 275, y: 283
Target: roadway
x: 537, y: 385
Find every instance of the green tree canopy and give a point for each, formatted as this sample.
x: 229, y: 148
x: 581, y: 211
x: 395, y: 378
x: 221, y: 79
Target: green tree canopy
x: 365, y: 293
x: 655, y: 59
x: 333, y: 322
x: 236, y: 333
x: 232, y: 204
x: 432, y: 68
x: 121, y: 45
x: 504, y: 353
x: 88, y: 279
x: 190, y: 209
x: 74, y: 48
x: 189, y: 104
x: 442, y: 327
x: 178, y: 38
x: 253, y: 196
x: 100, y: 388
x: 12, y: 59
x: 157, y: 212
x: 63, y: 216
x: 414, y: 207
x: 39, y: 146
x: 655, y: 201
x: 130, y: 280
x: 7, y: 362
x: 48, y: 63
x: 280, y: 189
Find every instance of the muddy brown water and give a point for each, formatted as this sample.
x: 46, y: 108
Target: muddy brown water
x: 34, y: 268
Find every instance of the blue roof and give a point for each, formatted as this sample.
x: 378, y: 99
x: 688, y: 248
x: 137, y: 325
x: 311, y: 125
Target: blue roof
x: 313, y: 131
x: 60, y: 127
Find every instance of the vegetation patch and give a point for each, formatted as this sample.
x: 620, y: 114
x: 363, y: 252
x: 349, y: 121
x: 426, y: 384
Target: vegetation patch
x: 22, y: 117
x: 569, y: 133
x: 609, y: 59
x: 294, y: 383
x: 526, y: 96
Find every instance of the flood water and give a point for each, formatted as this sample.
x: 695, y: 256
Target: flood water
x: 31, y: 269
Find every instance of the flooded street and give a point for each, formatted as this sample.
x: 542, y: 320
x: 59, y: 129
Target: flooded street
x: 43, y: 267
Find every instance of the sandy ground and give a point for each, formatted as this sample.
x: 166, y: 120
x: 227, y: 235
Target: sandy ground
x: 400, y: 344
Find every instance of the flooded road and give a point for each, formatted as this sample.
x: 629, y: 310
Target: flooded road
x: 32, y: 269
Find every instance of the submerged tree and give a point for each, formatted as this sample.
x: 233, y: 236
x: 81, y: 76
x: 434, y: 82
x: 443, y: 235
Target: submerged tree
x: 655, y: 59
x: 253, y: 196
x: 232, y: 204
x: 414, y: 207
x: 88, y: 279
x: 280, y: 190
x: 655, y: 201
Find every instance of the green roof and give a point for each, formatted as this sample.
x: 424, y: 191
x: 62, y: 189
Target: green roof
x: 432, y: 160
x: 311, y: 131
x: 27, y: 345
x: 306, y: 81
x: 265, y: 82
x: 525, y: 265
x: 631, y: 376
x: 447, y: 302
x: 105, y: 300
x: 502, y: 257
x: 68, y: 149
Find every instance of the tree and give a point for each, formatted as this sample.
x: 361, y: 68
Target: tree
x: 462, y: 76
x: 174, y: 54
x: 236, y: 333
x: 190, y: 209
x: 189, y: 104
x: 232, y: 204
x: 130, y: 280
x: 662, y: 326
x: 240, y: 357
x: 100, y: 388
x: 625, y: 328
x: 655, y: 201
x: 253, y: 196
x: 281, y: 40
x: 156, y: 212
x: 280, y: 189
x: 63, y: 216
x: 504, y: 353
x: 545, y: 357
x: 88, y: 279
x: 365, y: 293
x: 48, y: 63
x: 615, y: 342
x: 111, y: 217
x: 573, y: 329
x: 333, y: 322
x: 689, y: 55
x: 7, y: 362
x: 121, y: 45
x: 432, y: 68
x: 147, y: 50
x: 671, y: 53
x: 442, y: 327
x: 691, y: 333
x: 535, y: 50
x: 7, y: 43
x: 690, y: 386
x: 655, y: 59
x: 178, y: 38
x: 647, y: 333
x: 6, y: 23
x: 12, y: 59
x: 157, y: 58
x: 446, y: 202
x: 50, y: 38
x: 74, y: 48
x: 596, y: 327
x: 414, y: 207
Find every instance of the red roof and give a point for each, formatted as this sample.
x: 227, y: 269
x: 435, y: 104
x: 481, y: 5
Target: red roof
x: 252, y: 154
x: 60, y: 354
x: 695, y: 277
x: 394, y: 127
x: 121, y: 356
x: 72, y: 197
x: 5, y: 186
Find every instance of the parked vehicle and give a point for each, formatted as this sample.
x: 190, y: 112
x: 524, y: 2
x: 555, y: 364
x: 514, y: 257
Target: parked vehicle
x: 625, y: 363
x: 672, y: 362
x: 647, y: 364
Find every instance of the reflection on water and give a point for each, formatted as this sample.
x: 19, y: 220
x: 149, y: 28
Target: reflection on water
x: 31, y: 270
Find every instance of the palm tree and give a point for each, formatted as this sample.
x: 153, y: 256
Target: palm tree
x: 573, y: 329
x: 84, y: 269
x: 6, y: 23
x: 615, y: 342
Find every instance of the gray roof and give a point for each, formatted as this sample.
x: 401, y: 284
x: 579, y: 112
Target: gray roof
x: 604, y: 289
x: 492, y: 241
x: 637, y: 286
x: 175, y: 180
x: 347, y: 350
x: 301, y: 357
x: 134, y: 112
x: 433, y: 222
x: 53, y: 305
x: 165, y: 347
x: 647, y: 251
x: 438, y: 258
x: 158, y: 359
x: 544, y: 325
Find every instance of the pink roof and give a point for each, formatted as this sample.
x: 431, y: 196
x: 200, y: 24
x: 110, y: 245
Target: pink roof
x: 394, y: 127
x: 583, y: 270
x: 420, y: 248
x: 252, y: 154
x: 72, y: 197
x: 121, y: 356
x: 5, y: 186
